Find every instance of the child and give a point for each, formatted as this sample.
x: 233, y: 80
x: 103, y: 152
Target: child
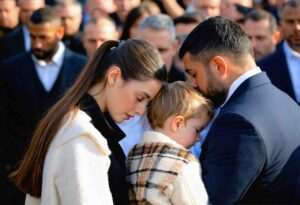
x: 161, y: 170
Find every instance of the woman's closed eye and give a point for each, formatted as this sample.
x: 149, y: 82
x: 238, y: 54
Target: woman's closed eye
x: 140, y: 98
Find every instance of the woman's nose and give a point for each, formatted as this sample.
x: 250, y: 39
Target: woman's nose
x: 140, y: 108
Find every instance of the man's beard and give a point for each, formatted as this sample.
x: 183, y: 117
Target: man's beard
x: 216, y: 92
x: 217, y: 97
x: 42, y: 54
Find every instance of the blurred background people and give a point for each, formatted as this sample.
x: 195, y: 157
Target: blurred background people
x: 159, y: 31
x: 71, y: 15
x: 9, y: 16
x: 267, y: 5
x: 122, y: 9
x: 209, y: 8
x: 135, y: 17
x: 229, y: 8
x: 282, y: 66
x: 29, y: 84
x: 27, y: 8
x: 96, y: 31
x: 183, y: 26
x: 261, y: 27
x: 99, y: 8
x: 245, y: 3
x: 19, y: 41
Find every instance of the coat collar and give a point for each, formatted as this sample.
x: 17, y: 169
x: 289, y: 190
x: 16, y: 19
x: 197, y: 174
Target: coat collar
x: 102, y: 121
x: 79, y: 124
x: 252, y: 82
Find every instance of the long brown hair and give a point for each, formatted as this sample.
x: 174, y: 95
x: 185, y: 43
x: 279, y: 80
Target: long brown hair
x: 136, y: 59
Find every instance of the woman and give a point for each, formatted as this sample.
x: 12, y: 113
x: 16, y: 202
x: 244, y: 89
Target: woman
x: 68, y: 159
x: 135, y: 17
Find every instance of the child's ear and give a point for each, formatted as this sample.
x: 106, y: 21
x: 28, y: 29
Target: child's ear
x: 176, y: 122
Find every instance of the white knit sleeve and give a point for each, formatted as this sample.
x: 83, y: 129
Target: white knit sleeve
x: 188, y: 188
x: 82, y: 173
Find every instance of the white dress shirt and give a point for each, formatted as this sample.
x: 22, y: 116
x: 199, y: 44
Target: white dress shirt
x: 48, y: 72
x: 26, y: 36
x: 239, y: 81
x: 293, y: 62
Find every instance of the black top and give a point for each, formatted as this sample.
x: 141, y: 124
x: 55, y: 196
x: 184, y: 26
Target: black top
x: 175, y: 74
x: 74, y: 43
x: 113, y: 134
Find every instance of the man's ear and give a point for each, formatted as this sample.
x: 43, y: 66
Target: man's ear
x: 113, y: 74
x: 219, y: 65
x: 175, y: 47
x: 60, y: 32
x: 276, y: 37
x: 176, y: 121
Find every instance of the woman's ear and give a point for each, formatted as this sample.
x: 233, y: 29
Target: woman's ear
x: 176, y: 121
x: 113, y: 74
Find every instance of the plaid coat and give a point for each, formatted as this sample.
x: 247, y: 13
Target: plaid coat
x: 160, y: 171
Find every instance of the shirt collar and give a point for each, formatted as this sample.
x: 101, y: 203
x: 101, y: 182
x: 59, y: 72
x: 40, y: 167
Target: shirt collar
x: 289, y: 52
x: 25, y: 30
x: 154, y: 136
x: 239, y: 81
x: 57, y: 59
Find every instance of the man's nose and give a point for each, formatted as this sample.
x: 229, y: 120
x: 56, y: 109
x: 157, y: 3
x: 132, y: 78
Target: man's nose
x: 191, y: 81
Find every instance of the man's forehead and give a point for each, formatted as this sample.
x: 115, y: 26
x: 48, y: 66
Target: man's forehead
x: 288, y: 9
x: 187, y: 58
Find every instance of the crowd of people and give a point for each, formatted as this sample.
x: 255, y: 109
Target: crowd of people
x: 149, y: 102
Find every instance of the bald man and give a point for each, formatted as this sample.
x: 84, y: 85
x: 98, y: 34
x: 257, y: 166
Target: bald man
x: 209, y: 8
x: 19, y: 41
x: 71, y: 16
x: 96, y: 31
x: 9, y: 16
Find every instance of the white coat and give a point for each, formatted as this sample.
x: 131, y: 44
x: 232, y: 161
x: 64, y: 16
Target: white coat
x: 76, y: 166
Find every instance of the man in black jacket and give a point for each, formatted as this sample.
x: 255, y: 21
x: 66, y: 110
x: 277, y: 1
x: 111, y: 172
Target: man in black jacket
x: 30, y: 84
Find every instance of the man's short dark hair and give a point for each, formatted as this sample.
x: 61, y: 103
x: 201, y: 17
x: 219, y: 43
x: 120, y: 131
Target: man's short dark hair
x: 291, y: 3
x: 187, y: 18
x: 43, y: 15
x: 259, y: 15
x: 215, y: 36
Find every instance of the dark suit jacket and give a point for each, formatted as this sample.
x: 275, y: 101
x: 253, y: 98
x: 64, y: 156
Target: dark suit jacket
x: 276, y: 67
x: 24, y: 101
x: 12, y: 44
x: 74, y: 43
x: 252, y: 151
